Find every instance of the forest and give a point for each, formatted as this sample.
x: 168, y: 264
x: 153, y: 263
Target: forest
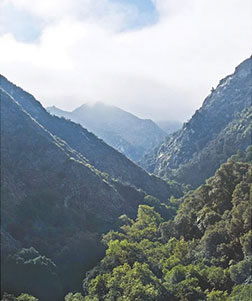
x: 197, y: 247
x: 80, y: 221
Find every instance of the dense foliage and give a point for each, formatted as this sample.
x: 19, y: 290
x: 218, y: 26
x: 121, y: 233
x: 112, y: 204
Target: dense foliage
x: 55, y: 200
x: 62, y: 188
x: 22, y: 297
x: 204, y: 253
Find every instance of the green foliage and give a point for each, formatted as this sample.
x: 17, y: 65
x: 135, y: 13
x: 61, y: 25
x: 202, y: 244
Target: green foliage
x: 241, y: 293
x: 201, y: 254
x: 74, y: 297
x: 217, y: 296
x: 217, y: 277
x: 246, y: 244
x: 241, y: 271
x: 61, y: 188
x: 201, y: 249
x: 126, y: 283
x: 26, y: 297
x: 166, y: 210
x: 22, y: 297
x: 243, y: 156
x: 8, y: 297
x: 147, y: 216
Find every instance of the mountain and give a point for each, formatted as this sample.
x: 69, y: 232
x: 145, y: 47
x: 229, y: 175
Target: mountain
x: 169, y: 126
x: 216, y: 131
x: 61, y: 188
x: 124, y: 131
x: 204, y: 253
x: 103, y: 157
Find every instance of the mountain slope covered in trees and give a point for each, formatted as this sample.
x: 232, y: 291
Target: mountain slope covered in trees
x: 62, y: 188
x: 124, y: 131
x: 204, y: 253
x: 54, y: 203
x: 216, y: 131
x: 98, y: 153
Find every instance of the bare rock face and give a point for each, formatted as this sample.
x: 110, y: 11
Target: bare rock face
x: 216, y: 131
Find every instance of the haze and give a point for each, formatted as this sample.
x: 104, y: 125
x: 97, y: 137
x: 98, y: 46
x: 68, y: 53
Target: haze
x: 158, y: 59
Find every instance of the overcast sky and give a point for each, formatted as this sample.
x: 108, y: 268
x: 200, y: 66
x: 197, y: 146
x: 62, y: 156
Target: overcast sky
x: 158, y: 59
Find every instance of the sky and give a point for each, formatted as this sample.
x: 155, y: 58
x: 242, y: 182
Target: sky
x: 157, y: 59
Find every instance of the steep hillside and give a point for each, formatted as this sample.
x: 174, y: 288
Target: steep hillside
x: 54, y: 203
x: 124, y: 131
x: 52, y: 200
x: 203, y: 254
x: 98, y: 153
x: 216, y: 131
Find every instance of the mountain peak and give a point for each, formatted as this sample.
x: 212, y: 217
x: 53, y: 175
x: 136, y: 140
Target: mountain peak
x: 122, y: 130
x: 91, y: 104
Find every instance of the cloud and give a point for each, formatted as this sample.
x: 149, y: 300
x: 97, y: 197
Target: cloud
x: 164, y: 70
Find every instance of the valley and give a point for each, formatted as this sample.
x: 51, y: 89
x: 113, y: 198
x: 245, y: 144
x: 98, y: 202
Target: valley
x: 98, y: 204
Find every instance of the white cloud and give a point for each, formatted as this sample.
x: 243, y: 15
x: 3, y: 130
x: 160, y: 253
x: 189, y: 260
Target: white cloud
x: 162, y: 71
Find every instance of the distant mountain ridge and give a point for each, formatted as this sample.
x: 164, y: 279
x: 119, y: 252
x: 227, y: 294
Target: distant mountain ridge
x: 169, y: 126
x: 98, y: 153
x: 122, y: 130
x: 216, y: 131
x: 61, y: 188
